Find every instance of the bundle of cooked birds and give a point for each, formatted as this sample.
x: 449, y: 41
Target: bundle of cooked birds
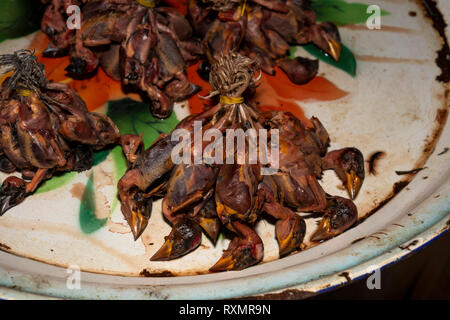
x: 45, y: 128
x: 148, y: 45
x: 144, y: 45
x: 264, y: 30
x: 205, y: 195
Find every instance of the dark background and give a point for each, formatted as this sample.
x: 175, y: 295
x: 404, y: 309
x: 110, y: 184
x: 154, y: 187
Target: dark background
x: 422, y: 275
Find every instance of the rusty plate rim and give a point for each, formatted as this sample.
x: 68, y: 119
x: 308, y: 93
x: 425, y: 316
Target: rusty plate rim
x: 417, y: 217
x: 410, y: 228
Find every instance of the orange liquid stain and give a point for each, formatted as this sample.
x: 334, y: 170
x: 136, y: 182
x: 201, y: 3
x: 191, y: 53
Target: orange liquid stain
x: 275, y: 93
x: 197, y: 104
x: 279, y: 93
x: 319, y: 88
x: 5, y: 76
x: 95, y: 91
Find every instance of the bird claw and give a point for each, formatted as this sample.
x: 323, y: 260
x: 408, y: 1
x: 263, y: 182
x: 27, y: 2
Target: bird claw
x: 12, y: 193
x: 185, y: 237
x: 209, y: 221
x: 80, y: 66
x: 139, y: 219
x: 77, y: 66
x: 136, y: 209
x: 353, y: 183
x: 340, y: 215
x: 348, y: 163
x: 132, y: 146
x: 290, y: 233
x: 290, y: 228
x: 244, y: 251
x: 238, y: 256
x: 329, y: 40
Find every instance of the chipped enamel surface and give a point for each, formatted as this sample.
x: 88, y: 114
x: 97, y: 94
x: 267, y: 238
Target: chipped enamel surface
x: 392, y: 106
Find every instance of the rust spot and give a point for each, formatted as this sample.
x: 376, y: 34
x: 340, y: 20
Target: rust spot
x: 446, y: 227
x: 411, y: 244
x: 165, y: 273
x: 373, y: 159
x: 412, y: 13
x: 443, y: 151
x: 430, y: 143
x: 154, y: 294
x: 441, y: 115
x: 290, y: 294
x: 345, y: 275
x: 443, y: 57
x: 4, y: 247
x: 413, y: 171
x: 384, y: 28
x: 398, y: 186
x: 376, y: 59
x: 357, y: 240
x: 77, y: 190
x: 398, y: 225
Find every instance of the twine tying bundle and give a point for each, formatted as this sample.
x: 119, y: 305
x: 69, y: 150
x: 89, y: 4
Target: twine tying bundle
x: 27, y: 73
x: 231, y: 75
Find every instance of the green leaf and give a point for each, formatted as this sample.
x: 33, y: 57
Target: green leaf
x: 56, y: 182
x: 89, y: 222
x: 134, y: 117
x: 100, y: 156
x: 341, y: 12
x: 120, y: 166
x: 347, y: 61
x: 19, y: 18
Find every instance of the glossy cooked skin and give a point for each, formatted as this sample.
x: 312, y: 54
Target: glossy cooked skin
x: 236, y: 194
x: 146, y: 48
x: 264, y: 31
x: 201, y: 197
x: 44, y: 128
x: 149, y: 172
